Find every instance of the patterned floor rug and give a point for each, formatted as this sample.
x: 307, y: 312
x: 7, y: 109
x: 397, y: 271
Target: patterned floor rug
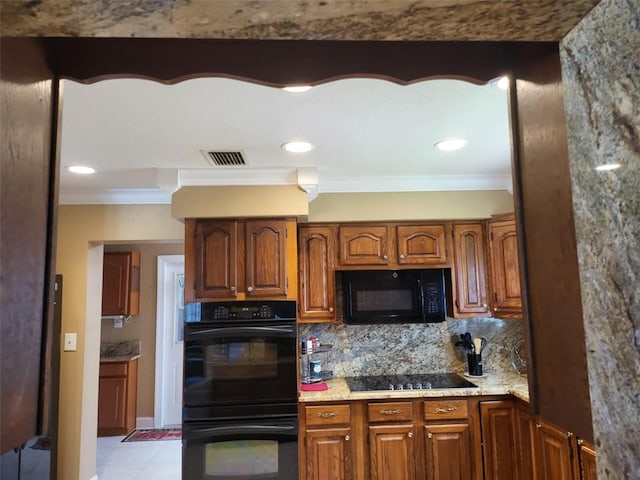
x: 150, y: 434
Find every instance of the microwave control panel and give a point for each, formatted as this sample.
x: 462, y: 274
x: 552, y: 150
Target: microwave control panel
x: 432, y: 299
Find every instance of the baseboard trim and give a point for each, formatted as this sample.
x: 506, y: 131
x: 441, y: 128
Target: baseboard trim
x: 144, y: 422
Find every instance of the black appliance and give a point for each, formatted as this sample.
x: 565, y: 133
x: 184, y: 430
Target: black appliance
x: 394, y: 296
x: 421, y: 381
x: 240, y: 391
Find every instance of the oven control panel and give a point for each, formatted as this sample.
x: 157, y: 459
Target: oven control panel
x: 262, y: 312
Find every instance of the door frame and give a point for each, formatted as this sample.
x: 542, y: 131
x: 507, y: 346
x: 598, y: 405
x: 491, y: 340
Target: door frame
x: 165, y: 262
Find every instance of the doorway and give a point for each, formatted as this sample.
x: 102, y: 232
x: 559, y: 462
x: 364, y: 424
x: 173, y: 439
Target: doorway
x: 169, y: 341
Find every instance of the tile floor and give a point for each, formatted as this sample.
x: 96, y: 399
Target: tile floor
x: 157, y: 460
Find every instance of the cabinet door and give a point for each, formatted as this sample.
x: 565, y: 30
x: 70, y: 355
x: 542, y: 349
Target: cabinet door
x: 526, y: 432
x: 266, y: 260
x: 112, y: 404
x: 499, y: 440
x: 364, y: 245
x: 216, y: 259
x: 470, y: 275
x: 503, y: 250
x: 120, y: 283
x: 554, y: 456
x: 328, y: 454
x: 448, y: 452
x: 421, y: 244
x: 587, y: 456
x: 317, y: 275
x: 392, y: 452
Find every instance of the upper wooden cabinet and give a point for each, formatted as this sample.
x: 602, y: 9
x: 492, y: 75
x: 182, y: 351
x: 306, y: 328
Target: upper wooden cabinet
x: 238, y: 259
x: 121, y: 283
x: 363, y: 245
x: 316, y: 276
x: 421, y: 244
x: 392, y: 245
x: 470, y: 279
x: 505, y: 268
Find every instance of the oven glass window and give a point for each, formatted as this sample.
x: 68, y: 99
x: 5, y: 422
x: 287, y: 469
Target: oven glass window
x: 248, y: 359
x: 241, y: 458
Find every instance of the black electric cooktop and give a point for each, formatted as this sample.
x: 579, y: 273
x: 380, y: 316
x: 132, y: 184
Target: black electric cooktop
x: 420, y: 381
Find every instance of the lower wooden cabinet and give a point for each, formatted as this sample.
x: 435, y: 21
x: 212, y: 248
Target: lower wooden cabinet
x: 587, y: 461
x: 499, y: 439
x: 555, y: 453
x: 392, y: 452
x: 448, y: 451
x: 450, y: 438
x: 328, y: 453
x: 327, y: 443
x: 117, y: 397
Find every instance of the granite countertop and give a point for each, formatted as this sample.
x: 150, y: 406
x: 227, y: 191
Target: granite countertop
x: 119, y: 358
x: 492, y: 384
x: 121, y: 351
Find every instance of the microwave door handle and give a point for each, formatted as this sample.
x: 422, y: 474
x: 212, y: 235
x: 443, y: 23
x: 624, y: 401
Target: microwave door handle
x: 421, y: 293
x: 242, y: 430
x: 279, y: 331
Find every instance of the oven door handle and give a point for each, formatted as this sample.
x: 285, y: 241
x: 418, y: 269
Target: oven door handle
x: 276, y: 331
x: 291, y: 430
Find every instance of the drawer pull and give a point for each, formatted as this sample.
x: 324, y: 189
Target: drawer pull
x: 389, y: 412
x: 430, y: 435
x: 347, y: 438
x: 327, y: 414
x: 410, y: 434
x: 446, y: 410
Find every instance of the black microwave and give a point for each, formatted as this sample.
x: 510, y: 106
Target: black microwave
x: 394, y: 296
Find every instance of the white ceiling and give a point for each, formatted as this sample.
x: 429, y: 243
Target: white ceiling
x: 145, y: 138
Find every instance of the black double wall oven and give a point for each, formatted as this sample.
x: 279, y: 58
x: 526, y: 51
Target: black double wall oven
x: 240, y: 391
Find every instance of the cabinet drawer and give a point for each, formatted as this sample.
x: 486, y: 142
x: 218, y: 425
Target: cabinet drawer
x: 445, y: 409
x: 328, y: 414
x: 390, y: 411
x: 115, y: 369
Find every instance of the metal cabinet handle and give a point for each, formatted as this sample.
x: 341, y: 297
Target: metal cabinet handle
x: 327, y: 414
x: 446, y: 410
x: 430, y: 435
x: 347, y: 438
x: 401, y: 256
x: 389, y: 412
x: 330, y: 309
x: 484, y: 305
x: 249, y: 289
x: 233, y: 289
x: 410, y: 434
x: 385, y: 257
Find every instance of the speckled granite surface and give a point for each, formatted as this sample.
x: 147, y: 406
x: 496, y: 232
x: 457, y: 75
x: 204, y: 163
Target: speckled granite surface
x: 297, y: 19
x: 601, y: 70
x: 494, y: 384
x: 120, y: 351
x: 406, y: 348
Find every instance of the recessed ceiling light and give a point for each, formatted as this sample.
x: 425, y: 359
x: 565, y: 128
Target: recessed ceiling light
x: 450, y: 144
x: 503, y: 82
x: 607, y: 166
x: 297, y: 88
x: 81, y: 169
x: 297, y: 147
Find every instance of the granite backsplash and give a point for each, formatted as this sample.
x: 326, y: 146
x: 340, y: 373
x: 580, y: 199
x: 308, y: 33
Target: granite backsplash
x: 403, y: 348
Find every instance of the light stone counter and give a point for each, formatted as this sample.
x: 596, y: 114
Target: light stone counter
x: 492, y: 384
x: 121, y: 351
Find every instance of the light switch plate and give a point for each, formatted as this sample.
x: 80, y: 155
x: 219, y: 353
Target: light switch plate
x: 117, y: 322
x: 70, y: 340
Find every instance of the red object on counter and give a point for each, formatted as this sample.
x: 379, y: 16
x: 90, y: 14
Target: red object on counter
x: 314, y: 387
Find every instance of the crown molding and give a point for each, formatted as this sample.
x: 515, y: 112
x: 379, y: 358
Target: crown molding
x: 114, y: 196
x: 304, y: 178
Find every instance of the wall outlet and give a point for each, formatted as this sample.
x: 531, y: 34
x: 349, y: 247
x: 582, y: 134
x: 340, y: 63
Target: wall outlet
x: 70, y: 340
x: 117, y: 322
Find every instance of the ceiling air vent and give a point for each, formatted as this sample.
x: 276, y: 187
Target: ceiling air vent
x: 225, y: 158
